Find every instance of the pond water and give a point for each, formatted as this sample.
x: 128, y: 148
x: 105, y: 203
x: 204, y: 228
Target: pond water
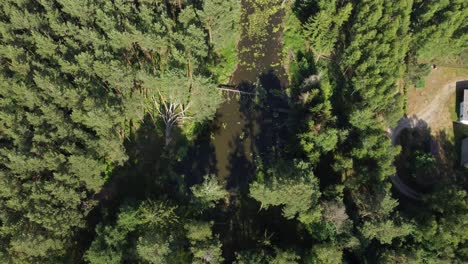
x: 247, y: 127
x: 238, y: 135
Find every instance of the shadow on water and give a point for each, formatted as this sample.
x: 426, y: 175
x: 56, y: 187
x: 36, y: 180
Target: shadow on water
x: 200, y: 159
x: 258, y: 130
x: 252, y: 128
x: 228, y: 151
x: 248, y: 128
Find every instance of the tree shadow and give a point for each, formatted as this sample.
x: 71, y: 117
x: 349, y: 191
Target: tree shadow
x: 261, y: 139
x: 144, y: 148
x: 134, y: 180
x: 272, y: 116
x: 415, y: 142
x: 305, y: 9
x: 419, y: 142
x: 264, y: 129
x: 241, y: 167
x: 200, y: 158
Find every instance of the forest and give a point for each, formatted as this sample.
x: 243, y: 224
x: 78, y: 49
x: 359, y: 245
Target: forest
x: 225, y: 131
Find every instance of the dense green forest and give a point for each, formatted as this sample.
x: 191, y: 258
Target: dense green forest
x: 220, y: 131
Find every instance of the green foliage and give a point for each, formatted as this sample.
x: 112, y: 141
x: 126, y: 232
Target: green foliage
x: 190, y: 46
x: 446, y: 222
x: 376, y: 209
x: 376, y: 202
x: 78, y: 78
x: 324, y: 27
x: 424, y: 163
x: 226, y: 64
x: 61, y: 129
x: 260, y: 16
x: 175, y: 97
x: 439, y: 29
x: 284, y: 257
x: 70, y: 83
x: 325, y: 254
x: 204, y: 246
x: 292, y: 186
x: 381, y: 30
x: 151, y: 248
x: 293, y: 38
x: 222, y: 20
x: 209, y: 192
x: 334, y: 214
x: 403, y: 256
x: 150, y: 222
x: 280, y: 257
x: 385, y: 231
x: 417, y: 73
x: 250, y: 258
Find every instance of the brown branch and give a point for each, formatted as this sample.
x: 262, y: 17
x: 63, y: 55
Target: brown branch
x: 236, y: 91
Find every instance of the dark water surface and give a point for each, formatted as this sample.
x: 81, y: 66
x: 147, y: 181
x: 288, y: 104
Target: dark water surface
x: 236, y: 140
x: 246, y: 127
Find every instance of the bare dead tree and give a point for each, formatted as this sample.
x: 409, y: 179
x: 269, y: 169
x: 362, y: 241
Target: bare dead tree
x: 170, y: 111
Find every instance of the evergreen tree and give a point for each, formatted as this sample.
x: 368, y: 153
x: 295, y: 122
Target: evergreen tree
x: 69, y: 87
x: 324, y: 28
x: 439, y: 28
x: 61, y: 131
x: 292, y: 186
x: 209, y: 192
x: 221, y: 19
x: 175, y: 98
x: 153, y: 224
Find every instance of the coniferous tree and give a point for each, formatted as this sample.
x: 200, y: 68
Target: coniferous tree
x: 439, y: 28
x: 70, y: 85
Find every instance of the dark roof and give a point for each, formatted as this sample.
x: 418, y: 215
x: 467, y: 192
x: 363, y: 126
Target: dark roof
x: 464, y: 153
x: 464, y: 114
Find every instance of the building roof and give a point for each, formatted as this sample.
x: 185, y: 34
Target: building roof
x: 464, y: 107
x: 464, y: 153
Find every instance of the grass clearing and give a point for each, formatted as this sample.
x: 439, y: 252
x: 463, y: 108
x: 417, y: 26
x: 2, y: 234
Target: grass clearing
x: 420, y: 98
x: 227, y: 63
x: 294, y: 40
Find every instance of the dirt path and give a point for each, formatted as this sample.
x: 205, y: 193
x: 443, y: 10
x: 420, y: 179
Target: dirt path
x: 435, y: 103
x: 431, y: 112
x: 429, y: 115
x: 403, y: 124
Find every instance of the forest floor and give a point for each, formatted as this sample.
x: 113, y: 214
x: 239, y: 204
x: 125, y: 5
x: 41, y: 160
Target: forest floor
x: 435, y: 103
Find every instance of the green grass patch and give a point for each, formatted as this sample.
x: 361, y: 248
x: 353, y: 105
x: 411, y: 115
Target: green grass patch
x: 454, y: 114
x: 293, y: 37
x: 420, y: 83
x: 294, y: 40
x: 226, y: 63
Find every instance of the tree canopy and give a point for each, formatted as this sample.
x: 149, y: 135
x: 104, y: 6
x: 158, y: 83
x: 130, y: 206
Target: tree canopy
x: 225, y: 131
